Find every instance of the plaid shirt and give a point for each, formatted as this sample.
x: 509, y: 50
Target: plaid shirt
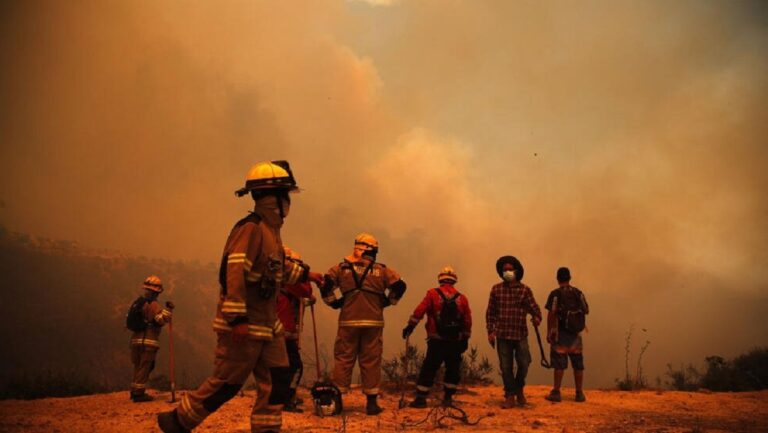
x: 507, y: 308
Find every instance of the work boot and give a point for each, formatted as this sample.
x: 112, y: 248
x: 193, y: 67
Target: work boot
x: 554, y: 396
x: 291, y: 407
x: 372, y: 407
x: 448, y: 397
x: 419, y: 402
x: 141, y: 398
x: 509, y: 402
x: 580, y: 396
x: 169, y: 422
x: 521, y: 401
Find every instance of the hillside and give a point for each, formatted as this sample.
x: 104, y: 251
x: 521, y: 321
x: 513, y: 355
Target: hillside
x: 605, y: 411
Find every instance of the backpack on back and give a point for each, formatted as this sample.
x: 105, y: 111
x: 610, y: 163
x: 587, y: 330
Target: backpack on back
x: 571, y: 310
x: 449, y: 321
x: 135, y: 320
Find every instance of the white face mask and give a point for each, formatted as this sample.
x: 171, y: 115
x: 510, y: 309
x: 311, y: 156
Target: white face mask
x: 508, y: 276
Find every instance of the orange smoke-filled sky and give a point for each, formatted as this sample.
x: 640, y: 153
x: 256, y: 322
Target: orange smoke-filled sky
x: 625, y: 140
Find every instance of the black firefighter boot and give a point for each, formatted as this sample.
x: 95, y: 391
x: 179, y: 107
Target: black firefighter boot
x: 448, y: 397
x: 141, y: 398
x: 372, y: 408
x: 420, y: 401
x: 169, y: 422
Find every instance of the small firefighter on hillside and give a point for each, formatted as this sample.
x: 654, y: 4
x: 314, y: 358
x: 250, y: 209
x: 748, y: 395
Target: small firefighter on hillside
x: 365, y: 288
x: 449, y: 326
x: 145, y: 318
x: 250, y: 340
x: 291, y: 301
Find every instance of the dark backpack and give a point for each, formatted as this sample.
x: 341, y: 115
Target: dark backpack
x: 449, y: 321
x: 571, y: 310
x: 135, y: 320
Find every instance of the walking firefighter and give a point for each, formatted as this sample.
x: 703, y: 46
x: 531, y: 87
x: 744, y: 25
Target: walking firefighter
x: 249, y: 334
x: 291, y: 300
x: 361, y: 288
x: 449, y: 326
x: 145, y: 318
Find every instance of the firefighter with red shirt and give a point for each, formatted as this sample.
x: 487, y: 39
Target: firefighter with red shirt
x: 449, y: 326
x: 290, y: 300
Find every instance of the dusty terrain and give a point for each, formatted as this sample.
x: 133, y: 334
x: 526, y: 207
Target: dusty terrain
x: 605, y: 411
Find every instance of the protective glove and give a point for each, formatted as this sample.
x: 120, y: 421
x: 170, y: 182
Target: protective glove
x: 169, y: 305
x: 310, y: 301
x: 408, y: 330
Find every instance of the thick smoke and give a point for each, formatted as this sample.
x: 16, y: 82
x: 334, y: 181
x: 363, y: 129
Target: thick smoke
x: 624, y: 140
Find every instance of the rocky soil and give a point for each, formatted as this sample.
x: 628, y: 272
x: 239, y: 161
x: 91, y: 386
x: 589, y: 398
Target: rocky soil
x: 604, y: 411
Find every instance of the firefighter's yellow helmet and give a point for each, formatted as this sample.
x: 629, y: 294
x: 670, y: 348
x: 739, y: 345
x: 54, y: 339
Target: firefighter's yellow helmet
x: 269, y: 175
x: 153, y: 283
x: 291, y: 254
x: 447, y: 274
x: 367, y: 240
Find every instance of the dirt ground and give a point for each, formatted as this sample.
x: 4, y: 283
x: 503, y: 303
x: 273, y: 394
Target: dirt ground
x: 604, y: 411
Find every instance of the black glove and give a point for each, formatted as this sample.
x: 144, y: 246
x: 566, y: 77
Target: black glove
x: 408, y: 330
x: 463, y: 345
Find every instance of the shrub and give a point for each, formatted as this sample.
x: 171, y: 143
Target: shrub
x: 687, y: 378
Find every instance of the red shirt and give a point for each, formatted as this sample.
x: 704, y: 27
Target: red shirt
x: 288, y: 300
x: 508, y: 305
x: 433, y: 303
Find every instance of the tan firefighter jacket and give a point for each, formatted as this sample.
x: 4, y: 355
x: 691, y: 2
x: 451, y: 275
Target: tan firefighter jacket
x: 362, y: 289
x: 155, y: 316
x: 253, y: 267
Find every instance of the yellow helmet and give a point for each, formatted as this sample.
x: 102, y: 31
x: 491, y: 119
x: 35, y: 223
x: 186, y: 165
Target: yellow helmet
x: 291, y: 254
x: 368, y: 240
x: 447, y: 274
x: 269, y: 175
x: 153, y: 283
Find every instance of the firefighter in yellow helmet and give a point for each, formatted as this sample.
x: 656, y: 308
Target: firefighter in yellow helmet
x: 144, y: 319
x: 250, y: 340
x: 361, y: 288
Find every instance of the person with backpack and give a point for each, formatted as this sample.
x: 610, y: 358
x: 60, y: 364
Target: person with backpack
x: 449, y: 326
x: 144, y: 319
x: 290, y: 302
x: 567, y: 308
x: 249, y: 334
x: 508, y: 305
x: 361, y: 288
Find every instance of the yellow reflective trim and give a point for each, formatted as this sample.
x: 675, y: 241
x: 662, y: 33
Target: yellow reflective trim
x: 362, y: 323
x: 248, y: 264
x: 236, y: 256
x: 187, y: 407
x: 144, y: 342
x: 371, y: 391
x: 138, y: 385
x: 422, y: 388
x: 254, y: 330
x: 253, y: 276
x: 234, y: 261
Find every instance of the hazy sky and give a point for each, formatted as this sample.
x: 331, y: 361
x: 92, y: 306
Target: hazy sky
x: 625, y: 140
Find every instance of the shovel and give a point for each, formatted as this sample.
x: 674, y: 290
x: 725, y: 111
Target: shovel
x: 171, y: 372
x: 402, y: 403
x: 544, y: 362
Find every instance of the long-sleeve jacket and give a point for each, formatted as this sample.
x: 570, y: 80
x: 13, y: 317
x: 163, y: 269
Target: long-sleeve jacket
x: 507, y: 307
x: 155, y: 316
x: 431, y: 306
x: 253, y: 268
x: 362, y: 305
x: 288, y: 306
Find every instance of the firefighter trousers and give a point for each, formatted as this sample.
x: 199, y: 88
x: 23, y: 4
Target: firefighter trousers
x: 285, y: 380
x: 233, y: 364
x: 143, y: 359
x: 364, y: 345
x: 439, y: 352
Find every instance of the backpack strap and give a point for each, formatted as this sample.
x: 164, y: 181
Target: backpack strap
x: 359, y: 281
x: 445, y: 298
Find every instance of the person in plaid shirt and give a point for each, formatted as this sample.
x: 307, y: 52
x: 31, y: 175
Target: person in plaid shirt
x: 509, y: 303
